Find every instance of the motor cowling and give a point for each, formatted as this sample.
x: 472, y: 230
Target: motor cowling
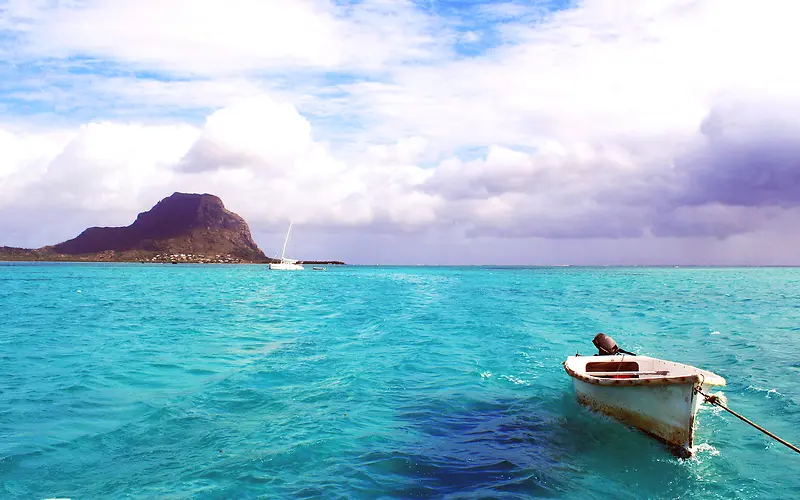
x: 605, y: 345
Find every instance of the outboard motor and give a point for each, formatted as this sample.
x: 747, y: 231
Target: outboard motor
x: 607, y: 347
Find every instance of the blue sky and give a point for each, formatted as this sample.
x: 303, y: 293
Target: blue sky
x: 606, y: 131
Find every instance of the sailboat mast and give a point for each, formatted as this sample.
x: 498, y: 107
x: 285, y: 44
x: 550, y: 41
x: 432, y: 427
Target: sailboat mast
x: 283, y: 253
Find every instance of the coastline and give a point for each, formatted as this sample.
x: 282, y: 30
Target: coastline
x: 13, y: 254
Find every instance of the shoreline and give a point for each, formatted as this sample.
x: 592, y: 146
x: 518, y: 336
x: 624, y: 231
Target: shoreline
x: 19, y: 255
x: 482, y: 266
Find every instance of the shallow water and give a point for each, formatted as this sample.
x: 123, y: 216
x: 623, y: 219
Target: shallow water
x: 143, y: 381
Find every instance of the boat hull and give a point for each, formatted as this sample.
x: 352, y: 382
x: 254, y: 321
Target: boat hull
x: 654, y: 395
x: 283, y: 266
x: 665, y: 412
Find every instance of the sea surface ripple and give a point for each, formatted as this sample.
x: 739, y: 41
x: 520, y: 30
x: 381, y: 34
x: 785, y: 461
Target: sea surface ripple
x: 186, y: 381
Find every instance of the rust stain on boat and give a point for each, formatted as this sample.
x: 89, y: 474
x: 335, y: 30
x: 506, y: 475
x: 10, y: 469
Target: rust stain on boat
x: 677, y: 438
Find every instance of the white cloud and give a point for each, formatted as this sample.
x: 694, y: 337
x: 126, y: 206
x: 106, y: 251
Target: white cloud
x: 193, y: 36
x: 258, y: 155
x: 405, y: 151
x: 592, y: 122
x: 25, y: 157
x: 186, y: 94
x: 283, y: 174
x: 207, y: 37
x: 255, y: 133
x: 98, y: 167
x: 593, y: 74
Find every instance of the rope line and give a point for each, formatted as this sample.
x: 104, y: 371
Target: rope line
x: 714, y: 400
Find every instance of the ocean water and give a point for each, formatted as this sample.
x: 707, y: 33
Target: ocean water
x: 153, y: 381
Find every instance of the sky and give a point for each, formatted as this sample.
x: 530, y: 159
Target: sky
x: 594, y: 132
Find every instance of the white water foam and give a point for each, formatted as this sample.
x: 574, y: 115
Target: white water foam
x: 515, y: 380
x: 705, y: 448
x: 720, y: 396
x: 760, y: 389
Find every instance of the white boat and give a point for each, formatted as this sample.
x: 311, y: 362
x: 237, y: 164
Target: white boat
x: 286, y: 264
x: 656, y: 396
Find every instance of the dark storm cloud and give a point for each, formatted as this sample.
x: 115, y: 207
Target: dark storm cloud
x: 750, y: 157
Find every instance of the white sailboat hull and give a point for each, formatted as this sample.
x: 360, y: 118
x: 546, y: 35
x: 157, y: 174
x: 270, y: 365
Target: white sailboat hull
x: 655, y: 396
x: 284, y: 266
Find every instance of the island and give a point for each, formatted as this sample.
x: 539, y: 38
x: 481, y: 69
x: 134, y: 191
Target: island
x: 181, y: 228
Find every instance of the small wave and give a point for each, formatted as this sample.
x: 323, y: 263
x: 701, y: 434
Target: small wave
x: 720, y: 396
x: 706, y: 448
x: 760, y: 389
x: 486, y: 374
x: 701, y: 452
x: 200, y: 371
x: 714, y: 409
x: 515, y: 380
x: 715, y: 333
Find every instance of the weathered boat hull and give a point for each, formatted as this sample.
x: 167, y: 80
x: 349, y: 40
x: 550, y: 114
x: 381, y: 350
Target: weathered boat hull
x: 666, y: 412
x: 656, y: 396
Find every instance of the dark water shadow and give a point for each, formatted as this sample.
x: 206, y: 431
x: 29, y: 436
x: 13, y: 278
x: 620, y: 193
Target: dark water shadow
x: 509, y: 448
x: 480, y: 449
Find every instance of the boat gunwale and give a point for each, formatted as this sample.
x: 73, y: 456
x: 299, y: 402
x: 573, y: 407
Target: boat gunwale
x: 655, y: 380
x: 700, y: 376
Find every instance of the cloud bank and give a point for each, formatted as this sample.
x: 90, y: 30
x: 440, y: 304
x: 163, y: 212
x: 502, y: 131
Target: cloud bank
x: 500, y: 132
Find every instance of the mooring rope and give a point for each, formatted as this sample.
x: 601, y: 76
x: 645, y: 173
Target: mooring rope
x: 714, y: 400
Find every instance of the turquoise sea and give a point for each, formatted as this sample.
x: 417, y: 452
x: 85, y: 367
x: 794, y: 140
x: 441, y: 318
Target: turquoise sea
x: 173, y: 381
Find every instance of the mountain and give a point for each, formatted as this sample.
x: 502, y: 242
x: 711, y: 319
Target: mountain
x: 190, y: 227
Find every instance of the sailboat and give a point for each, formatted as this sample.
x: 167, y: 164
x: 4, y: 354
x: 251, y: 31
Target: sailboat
x: 286, y: 264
